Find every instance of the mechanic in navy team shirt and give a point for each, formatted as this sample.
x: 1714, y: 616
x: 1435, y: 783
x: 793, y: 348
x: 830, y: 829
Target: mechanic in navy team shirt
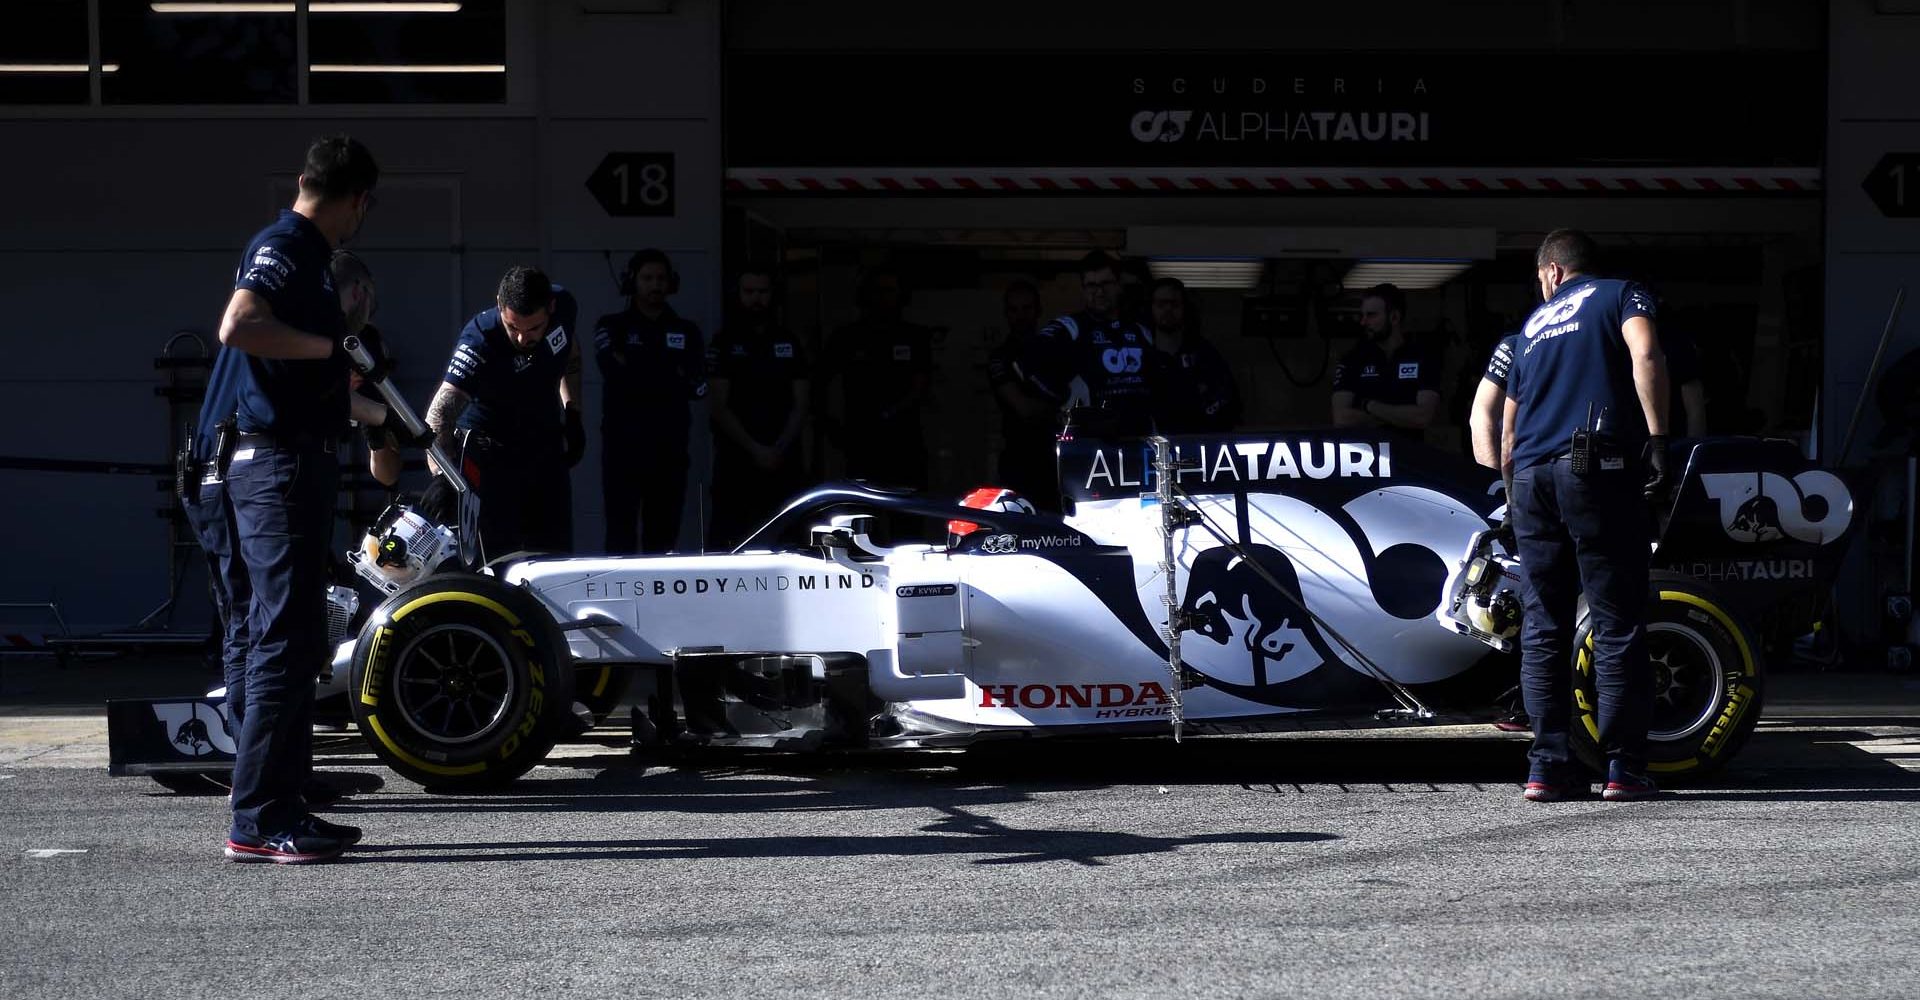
x: 1387, y: 380
x: 511, y: 394
x: 758, y: 378
x: 1029, y: 420
x: 279, y: 385
x: 1194, y: 392
x: 1490, y: 403
x: 1095, y: 358
x: 1589, y: 362
x: 884, y: 365
x: 654, y: 365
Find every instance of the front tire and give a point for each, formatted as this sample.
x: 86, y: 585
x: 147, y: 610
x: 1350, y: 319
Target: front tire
x: 1708, y: 682
x: 461, y: 682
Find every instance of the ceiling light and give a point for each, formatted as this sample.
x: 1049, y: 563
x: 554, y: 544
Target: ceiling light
x: 317, y: 7
x: 54, y: 68
x: 1405, y: 273
x: 416, y: 68
x: 1210, y: 272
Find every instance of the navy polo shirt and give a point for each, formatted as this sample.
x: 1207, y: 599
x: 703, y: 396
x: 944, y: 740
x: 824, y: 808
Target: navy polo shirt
x: 761, y: 364
x: 1397, y: 380
x: 653, y: 368
x: 1573, y: 355
x: 1107, y: 357
x: 516, y: 393
x: 286, y: 264
x: 1500, y: 364
x: 877, y: 363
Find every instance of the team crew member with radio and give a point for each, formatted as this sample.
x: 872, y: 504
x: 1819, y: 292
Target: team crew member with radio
x: 1028, y: 420
x: 283, y: 372
x: 512, y: 396
x: 884, y: 365
x: 1195, y: 392
x: 1490, y: 403
x: 654, y: 363
x: 1584, y: 444
x: 758, y: 374
x: 1095, y: 358
x: 1386, y: 380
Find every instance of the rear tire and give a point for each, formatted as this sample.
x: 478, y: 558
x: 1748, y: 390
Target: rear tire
x: 461, y: 682
x: 1708, y: 684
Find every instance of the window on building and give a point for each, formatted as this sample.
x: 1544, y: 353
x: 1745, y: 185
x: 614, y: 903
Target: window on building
x: 198, y: 53
x: 43, y: 57
x: 412, y: 53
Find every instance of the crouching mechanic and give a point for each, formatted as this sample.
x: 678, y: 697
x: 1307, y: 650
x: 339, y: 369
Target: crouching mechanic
x: 512, y: 396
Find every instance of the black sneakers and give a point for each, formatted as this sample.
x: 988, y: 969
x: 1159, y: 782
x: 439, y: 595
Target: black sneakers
x: 347, y: 835
x: 300, y: 848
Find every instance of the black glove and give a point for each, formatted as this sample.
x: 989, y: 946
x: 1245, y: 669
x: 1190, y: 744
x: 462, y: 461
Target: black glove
x: 1655, y: 459
x: 576, y: 437
x: 379, y: 369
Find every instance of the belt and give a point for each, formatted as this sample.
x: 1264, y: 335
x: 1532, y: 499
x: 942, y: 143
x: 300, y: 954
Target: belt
x: 305, y: 441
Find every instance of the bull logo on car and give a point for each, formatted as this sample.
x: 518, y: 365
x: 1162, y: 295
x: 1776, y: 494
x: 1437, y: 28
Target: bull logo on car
x: 1813, y: 507
x: 1228, y: 594
x: 195, y: 728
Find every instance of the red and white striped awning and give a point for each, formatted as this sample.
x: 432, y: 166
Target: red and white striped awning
x: 1306, y: 180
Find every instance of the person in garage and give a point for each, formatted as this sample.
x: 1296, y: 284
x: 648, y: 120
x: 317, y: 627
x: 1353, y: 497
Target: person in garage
x: 757, y: 373
x: 1029, y: 420
x: 654, y: 365
x: 1194, y: 392
x: 1094, y: 359
x: 884, y: 367
x: 1387, y: 381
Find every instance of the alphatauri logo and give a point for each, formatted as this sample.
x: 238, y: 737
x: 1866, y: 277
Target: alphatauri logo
x: 1813, y: 507
x: 1161, y: 126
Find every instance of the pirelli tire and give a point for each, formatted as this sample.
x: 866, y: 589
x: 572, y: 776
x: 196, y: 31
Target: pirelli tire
x: 1709, y: 682
x: 461, y: 683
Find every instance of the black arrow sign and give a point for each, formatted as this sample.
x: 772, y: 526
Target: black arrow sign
x: 1894, y: 185
x: 634, y: 184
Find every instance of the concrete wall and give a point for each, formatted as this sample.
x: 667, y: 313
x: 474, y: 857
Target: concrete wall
x: 124, y: 225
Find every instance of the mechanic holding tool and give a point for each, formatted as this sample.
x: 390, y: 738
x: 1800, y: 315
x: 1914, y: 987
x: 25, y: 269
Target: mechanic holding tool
x: 1386, y: 380
x: 1585, y: 435
x: 512, y: 395
x: 654, y: 363
x: 1096, y: 359
x: 276, y: 405
x: 1029, y: 421
x: 758, y: 375
x: 358, y: 300
x: 1195, y: 392
x: 885, y: 367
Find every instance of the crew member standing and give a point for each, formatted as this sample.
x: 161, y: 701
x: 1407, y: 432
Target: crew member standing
x: 1585, y: 445
x: 1386, y: 380
x: 281, y: 382
x: 1095, y: 358
x: 1194, y: 392
x: 1029, y: 420
x: 654, y: 365
x: 512, y: 394
x: 885, y: 366
x: 758, y: 379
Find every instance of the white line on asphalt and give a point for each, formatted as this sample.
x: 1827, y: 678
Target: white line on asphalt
x: 48, y: 852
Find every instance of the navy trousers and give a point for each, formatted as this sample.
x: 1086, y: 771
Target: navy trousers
x: 210, y: 514
x: 1583, y: 534
x: 282, y: 501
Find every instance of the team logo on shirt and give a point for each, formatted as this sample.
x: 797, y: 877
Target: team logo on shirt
x: 557, y: 339
x: 677, y: 341
x: 269, y: 268
x: 1556, y: 313
x: 783, y: 350
x: 1121, y: 360
x: 902, y: 352
x: 1410, y: 369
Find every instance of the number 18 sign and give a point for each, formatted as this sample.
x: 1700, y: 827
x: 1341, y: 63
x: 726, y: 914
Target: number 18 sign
x: 634, y: 183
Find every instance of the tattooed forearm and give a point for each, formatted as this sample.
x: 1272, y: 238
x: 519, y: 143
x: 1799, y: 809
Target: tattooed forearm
x: 444, y: 412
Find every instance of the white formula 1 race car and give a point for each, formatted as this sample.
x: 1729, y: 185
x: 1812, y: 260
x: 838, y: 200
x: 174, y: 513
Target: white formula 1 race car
x: 1215, y: 584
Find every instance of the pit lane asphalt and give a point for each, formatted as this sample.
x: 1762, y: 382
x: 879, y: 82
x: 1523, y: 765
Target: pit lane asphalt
x: 1382, y: 864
